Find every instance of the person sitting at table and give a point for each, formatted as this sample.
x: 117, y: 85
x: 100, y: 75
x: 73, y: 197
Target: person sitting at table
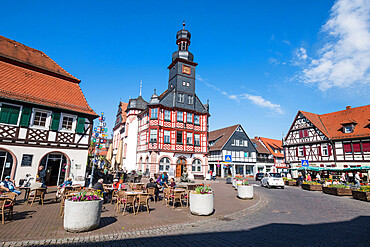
x: 164, y: 179
x: 37, y: 185
x: 99, y: 185
x: 153, y: 184
x: 116, y: 185
x: 8, y: 185
x: 172, y: 183
x: 61, y: 188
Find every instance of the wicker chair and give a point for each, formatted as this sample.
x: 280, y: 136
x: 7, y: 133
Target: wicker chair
x: 185, y: 197
x: 166, y: 196
x: 121, y: 199
x: 38, y: 193
x: 65, y: 197
x: 129, y: 202
x: 177, y: 197
x: 152, y: 193
x: 143, y: 201
x: 6, y: 204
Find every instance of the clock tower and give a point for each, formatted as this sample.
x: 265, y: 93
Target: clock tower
x: 182, y: 72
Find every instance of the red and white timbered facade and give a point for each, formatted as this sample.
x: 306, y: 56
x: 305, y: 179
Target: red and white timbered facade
x: 339, y: 139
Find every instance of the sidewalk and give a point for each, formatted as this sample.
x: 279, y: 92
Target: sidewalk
x: 43, y: 222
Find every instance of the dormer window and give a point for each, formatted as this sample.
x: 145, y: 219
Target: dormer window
x: 180, y: 98
x: 348, y: 129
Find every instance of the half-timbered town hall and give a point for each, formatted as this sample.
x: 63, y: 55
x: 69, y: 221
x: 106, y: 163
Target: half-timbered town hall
x: 45, y: 119
x: 171, y: 128
x: 338, y: 139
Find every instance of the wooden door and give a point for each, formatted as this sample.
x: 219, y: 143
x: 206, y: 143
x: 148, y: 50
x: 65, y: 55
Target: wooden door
x: 178, y: 170
x: 180, y: 167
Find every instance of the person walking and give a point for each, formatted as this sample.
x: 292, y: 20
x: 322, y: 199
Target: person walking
x: 357, y: 180
x: 343, y: 178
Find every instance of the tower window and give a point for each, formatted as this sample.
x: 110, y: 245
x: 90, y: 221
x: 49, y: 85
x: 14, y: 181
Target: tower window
x: 153, y: 135
x: 183, y: 83
x: 190, y: 100
x: 180, y: 97
x: 179, y: 137
x: 153, y: 113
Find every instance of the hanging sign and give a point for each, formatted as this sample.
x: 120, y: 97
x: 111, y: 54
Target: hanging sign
x: 95, y: 129
x: 102, y: 113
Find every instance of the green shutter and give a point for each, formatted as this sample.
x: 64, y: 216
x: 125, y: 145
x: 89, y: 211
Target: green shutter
x: 14, y: 115
x: 4, y: 114
x: 80, y: 125
x: 25, y: 117
x: 55, y: 121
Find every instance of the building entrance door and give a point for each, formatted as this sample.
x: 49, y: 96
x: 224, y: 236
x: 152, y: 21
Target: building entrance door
x: 6, y: 164
x: 56, y: 167
x: 180, y: 167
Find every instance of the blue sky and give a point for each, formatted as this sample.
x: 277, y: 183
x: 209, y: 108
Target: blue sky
x: 259, y: 61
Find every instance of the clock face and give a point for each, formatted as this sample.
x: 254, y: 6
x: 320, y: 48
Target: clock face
x: 186, y: 70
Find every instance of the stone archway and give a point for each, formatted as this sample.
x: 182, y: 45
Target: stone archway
x: 7, y: 163
x: 57, y: 166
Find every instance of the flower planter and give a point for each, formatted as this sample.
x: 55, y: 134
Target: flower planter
x: 229, y: 181
x: 337, y: 191
x: 82, y: 216
x: 361, y: 195
x: 291, y: 183
x: 245, y: 191
x: 201, y: 204
x: 237, y: 183
x: 312, y: 187
x: 234, y: 182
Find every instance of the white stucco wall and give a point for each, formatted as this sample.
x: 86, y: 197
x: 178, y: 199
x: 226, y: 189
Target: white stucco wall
x: 129, y: 163
x: 76, y: 157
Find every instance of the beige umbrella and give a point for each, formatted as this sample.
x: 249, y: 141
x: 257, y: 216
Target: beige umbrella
x: 112, y: 163
x: 109, y: 153
x: 119, y: 153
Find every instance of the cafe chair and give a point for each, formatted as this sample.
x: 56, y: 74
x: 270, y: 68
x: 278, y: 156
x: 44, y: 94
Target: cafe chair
x: 129, y: 203
x: 143, y: 201
x: 6, y: 204
x: 121, y: 199
x: 152, y: 194
x: 38, y: 193
x: 176, y: 197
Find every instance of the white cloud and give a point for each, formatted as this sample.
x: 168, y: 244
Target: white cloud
x: 255, y: 99
x: 301, y: 54
x: 345, y: 59
x: 287, y: 42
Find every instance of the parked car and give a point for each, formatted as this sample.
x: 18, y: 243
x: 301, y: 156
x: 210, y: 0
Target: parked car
x: 272, y: 180
x: 259, y: 176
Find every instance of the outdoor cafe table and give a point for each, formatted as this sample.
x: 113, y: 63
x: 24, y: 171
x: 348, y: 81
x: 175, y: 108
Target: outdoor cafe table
x: 26, y: 192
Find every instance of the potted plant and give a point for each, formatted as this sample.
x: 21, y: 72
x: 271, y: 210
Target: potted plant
x: 337, y: 190
x: 245, y: 190
x: 82, y: 212
x: 229, y: 180
x: 311, y: 185
x: 201, y: 200
x: 363, y: 193
x: 290, y: 182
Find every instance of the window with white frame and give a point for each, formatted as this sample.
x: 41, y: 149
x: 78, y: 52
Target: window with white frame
x: 67, y: 122
x: 190, y: 99
x: 324, y: 150
x: 164, y: 164
x: 180, y: 98
x: 300, y: 151
x: 167, y: 135
x: 196, y: 139
x: 196, y: 166
x: 167, y: 115
x: 154, y: 113
x: 189, y: 117
x: 189, y: 138
x: 153, y: 135
x: 180, y: 116
x: 196, y: 119
x: 40, y: 118
x: 245, y: 143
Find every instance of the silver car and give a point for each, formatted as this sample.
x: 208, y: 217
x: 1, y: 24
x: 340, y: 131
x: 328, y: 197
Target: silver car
x: 272, y: 180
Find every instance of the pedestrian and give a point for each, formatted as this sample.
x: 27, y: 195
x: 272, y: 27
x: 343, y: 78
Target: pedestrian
x: 153, y: 184
x: 289, y: 176
x: 357, y: 180
x: 343, y: 178
x: 8, y: 185
x: 42, y: 174
x: 214, y: 175
x: 308, y: 177
x: 300, y: 179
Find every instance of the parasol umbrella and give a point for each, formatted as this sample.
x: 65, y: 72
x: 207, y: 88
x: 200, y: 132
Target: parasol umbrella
x: 119, y: 153
x: 112, y: 163
x: 109, y: 153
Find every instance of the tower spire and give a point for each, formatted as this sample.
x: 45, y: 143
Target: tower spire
x: 183, y: 25
x: 141, y: 86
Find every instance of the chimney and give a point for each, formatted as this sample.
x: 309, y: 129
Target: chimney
x: 348, y: 107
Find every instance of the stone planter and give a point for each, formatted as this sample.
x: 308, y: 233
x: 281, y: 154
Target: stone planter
x: 201, y: 204
x: 234, y: 182
x: 237, y: 183
x: 312, y: 187
x: 245, y: 191
x: 337, y: 191
x: 82, y: 216
x: 291, y: 183
x: 361, y: 195
x: 229, y: 181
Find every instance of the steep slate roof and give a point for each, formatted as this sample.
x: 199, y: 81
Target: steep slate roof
x: 331, y: 123
x: 260, y: 148
x: 272, y: 144
x: 29, y: 75
x: 138, y: 103
x: 222, y: 136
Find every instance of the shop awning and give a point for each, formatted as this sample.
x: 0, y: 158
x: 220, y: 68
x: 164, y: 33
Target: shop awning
x: 357, y: 168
